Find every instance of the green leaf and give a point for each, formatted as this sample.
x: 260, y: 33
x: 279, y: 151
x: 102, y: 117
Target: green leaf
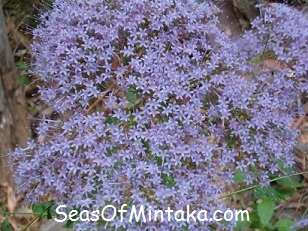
x: 240, y: 225
x: 284, y: 224
x: 289, y: 181
x: 6, y: 225
x: 44, y: 209
x: 37, y: 209
x: 159, y: 161
x: 69, y: 224
x: 24, y: 80
x: 169, y: 181
x: 267, y: 192
x: 239, y: 177
x: 49, y: 213
x: 285, y: 169
x: 255, y: 221
x: 131, y: 95
x: 22, y: 65
x: 286, y: 191
x: 111, y: 120
x: 265, y: 211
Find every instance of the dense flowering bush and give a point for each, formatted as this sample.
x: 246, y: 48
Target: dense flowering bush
x: 162, y: 107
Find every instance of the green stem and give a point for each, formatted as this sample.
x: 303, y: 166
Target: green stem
x: 37, y: 217
x: 18, y: 213
x: 254, y: 186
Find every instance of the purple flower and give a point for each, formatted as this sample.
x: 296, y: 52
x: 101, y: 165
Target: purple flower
x: 152, y: 111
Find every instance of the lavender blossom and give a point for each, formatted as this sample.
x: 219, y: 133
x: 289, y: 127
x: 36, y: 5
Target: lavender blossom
x: 162, y: 114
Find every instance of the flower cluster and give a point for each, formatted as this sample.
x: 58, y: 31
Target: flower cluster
x: 162, y: 107
x: 300, y: 225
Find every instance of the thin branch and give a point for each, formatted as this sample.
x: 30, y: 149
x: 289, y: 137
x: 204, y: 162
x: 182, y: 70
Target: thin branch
x: 254, y: 186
